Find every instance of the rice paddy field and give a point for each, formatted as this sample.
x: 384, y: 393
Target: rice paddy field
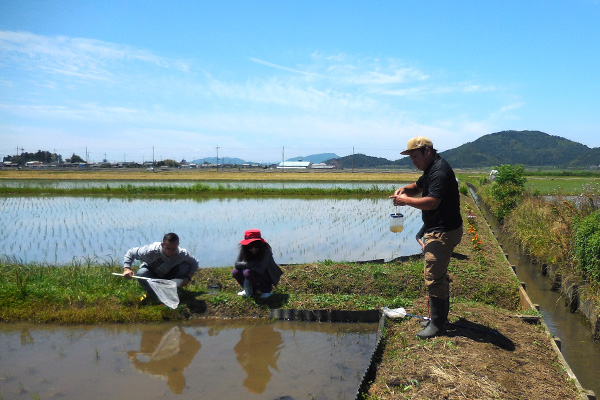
x: 59, y: 230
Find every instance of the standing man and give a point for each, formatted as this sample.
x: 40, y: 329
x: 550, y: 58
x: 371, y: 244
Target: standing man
x: 440, y: 203
x: 162, y: 260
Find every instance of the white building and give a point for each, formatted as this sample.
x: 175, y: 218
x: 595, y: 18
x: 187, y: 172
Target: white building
x: 322, y: 166
x: 294, y: 165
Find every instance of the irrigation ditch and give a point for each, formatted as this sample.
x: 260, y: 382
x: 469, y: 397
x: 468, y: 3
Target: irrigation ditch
x: 565, y: 316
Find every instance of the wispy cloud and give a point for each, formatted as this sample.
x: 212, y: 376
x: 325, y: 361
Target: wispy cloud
x: 74, y: 57
x: 320, y: 100
x: 272, y: 65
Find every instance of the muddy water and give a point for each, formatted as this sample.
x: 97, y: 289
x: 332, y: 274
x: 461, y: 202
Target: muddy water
x: 578, y: 348
x: 217, y: 360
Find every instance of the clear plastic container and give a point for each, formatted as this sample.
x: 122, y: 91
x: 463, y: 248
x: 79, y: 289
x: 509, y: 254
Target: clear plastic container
x: 396, y: 222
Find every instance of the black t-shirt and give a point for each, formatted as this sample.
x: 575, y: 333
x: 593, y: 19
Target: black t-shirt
x: 439, y: 181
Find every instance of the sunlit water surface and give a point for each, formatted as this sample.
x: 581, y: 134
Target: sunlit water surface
x: 58, y: 230
x: 214, y: 360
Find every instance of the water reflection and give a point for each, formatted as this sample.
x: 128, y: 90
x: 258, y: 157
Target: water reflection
x: 232, y: 359
x: 165, y: 353
x: 257, y: 350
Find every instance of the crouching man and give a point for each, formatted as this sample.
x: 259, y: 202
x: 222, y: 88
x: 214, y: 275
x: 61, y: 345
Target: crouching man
x: 162, y: 260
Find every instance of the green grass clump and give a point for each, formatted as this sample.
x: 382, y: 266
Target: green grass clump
x: 587, y: 246
x: 69, y: 294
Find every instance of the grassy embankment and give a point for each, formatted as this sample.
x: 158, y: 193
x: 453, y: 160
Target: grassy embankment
x: 198, y: 191
x: 548, y: 232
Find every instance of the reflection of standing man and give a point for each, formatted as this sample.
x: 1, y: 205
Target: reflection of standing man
x: 257, y: 350
x: 166, y: 354
x: 440, y: 203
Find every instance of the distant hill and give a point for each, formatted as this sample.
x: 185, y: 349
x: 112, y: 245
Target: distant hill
x: 315, y: 158
x: 360, y: 161
x: 222, y: 160
x: 528, y: 148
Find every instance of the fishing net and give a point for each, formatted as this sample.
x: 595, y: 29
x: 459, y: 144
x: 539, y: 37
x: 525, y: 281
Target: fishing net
x: 170, y: 345
x: 166, y: 291
x: 394, y: 312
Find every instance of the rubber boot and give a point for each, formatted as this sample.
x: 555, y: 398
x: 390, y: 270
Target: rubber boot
x: 248, y: 288
x: 426, y: 322
x: 439, y: 314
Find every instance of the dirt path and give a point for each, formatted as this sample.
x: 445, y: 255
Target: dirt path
x: 517, y: 361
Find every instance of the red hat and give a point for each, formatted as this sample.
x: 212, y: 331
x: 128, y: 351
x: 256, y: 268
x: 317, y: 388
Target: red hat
x: 251, y: 235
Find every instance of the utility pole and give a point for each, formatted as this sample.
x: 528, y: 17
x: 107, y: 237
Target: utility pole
x: 352, y: 159
x: 217, y: 158
x: 283, y: 158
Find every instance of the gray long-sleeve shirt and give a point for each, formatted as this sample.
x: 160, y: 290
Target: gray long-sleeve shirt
x: 157, y: 261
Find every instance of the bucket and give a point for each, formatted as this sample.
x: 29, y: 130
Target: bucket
x: 396, y: 222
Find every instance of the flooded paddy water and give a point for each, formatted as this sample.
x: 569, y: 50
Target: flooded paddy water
x: 210, y: 360
x: 57, y: 230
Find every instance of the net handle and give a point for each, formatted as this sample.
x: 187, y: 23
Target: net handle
x: 133, y: 276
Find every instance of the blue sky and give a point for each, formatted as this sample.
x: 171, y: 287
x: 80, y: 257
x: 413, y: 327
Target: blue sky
x: 262, y: 80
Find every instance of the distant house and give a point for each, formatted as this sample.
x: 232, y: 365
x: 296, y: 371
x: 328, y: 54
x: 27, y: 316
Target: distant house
x: 33, y: 164
x: 294, y: 165
x: 322, y: 166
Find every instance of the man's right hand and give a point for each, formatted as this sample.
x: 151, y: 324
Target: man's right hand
x: 128, y: 273
x: 399, y: 192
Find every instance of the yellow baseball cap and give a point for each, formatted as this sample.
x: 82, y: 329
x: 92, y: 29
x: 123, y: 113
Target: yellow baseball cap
x: 417, y: 143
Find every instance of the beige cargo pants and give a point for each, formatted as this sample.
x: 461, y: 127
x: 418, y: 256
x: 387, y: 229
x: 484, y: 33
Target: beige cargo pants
x: 438, y: 249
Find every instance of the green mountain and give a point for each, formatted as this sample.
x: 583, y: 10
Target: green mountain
x: 528, y: 148
x: 315, y: 158
x: 360, y: 161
